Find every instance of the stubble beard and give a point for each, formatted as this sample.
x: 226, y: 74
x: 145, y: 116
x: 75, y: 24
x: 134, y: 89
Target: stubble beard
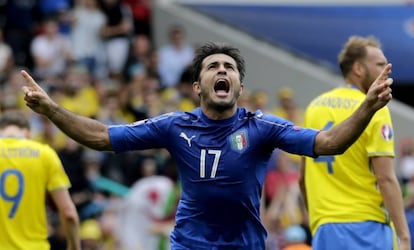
x: 221, y: 107
x: 367, y: 82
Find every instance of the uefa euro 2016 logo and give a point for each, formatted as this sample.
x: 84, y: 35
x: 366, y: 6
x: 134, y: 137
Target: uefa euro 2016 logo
x: 386, y: 132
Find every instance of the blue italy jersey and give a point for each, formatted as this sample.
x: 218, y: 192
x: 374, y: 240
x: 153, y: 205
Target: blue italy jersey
x: 222, y: 165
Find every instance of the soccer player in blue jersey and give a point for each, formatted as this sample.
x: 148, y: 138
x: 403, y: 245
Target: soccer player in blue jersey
x: 29, y: 170
x: 353, y: 197
x: 221, y: 150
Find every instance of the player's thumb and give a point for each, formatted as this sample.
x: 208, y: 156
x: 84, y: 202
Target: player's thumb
x: 25, y: 90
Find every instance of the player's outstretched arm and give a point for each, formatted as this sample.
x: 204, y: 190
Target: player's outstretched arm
x: 340, y: 137
x: 84, y: 130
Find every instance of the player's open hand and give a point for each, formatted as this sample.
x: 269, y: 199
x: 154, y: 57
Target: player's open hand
x: 35, y: 97
x: 379, y: 94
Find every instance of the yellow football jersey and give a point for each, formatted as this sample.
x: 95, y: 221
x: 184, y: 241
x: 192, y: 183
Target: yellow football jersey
x: 28, y: 170
x: 343, y: 188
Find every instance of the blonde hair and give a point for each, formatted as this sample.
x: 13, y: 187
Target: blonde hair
x: 355, y: 49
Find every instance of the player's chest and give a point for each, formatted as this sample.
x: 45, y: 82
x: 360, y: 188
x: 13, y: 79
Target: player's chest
x: 207, y: 154
x: 230, y: 141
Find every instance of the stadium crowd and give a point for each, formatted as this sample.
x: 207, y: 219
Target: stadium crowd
x: 97, y: 58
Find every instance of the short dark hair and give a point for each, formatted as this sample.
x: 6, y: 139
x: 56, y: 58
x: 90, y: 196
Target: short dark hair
x: 16, y: 118
x: 212, y: 48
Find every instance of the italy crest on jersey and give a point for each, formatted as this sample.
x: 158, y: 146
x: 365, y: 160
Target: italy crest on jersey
x: 239, y: 140
x: 386, y: 132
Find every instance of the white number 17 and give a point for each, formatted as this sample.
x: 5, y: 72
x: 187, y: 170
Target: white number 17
x: 216, y: 154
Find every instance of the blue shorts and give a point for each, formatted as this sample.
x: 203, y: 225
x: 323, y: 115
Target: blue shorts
x: 368, y: 235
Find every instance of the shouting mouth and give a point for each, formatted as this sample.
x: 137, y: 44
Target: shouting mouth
x: 221, y: 87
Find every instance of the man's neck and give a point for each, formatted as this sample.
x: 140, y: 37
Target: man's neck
x: 13, y: 132
x: 215, y: 114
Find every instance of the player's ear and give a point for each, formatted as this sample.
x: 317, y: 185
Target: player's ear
x: 241, y: 88
x: 197, y: 88
x: 358, y: 68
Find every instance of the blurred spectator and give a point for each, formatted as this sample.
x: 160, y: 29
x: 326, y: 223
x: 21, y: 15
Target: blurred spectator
x: 283, y: 205
x: 82, y: 191
x: 275, y: 235
x: 6, y: 58
x: 11, y: 92
x: 282, y: 193
x: 188, y: 98
x: 111, y: 111
x: 152, y: 67
x: 141, y: 13
x: 79, y: 94
x: 406, y: 175
x: 51, y: 51
x: 152, y: 102
x: 92, y: 160
x: 143, y: 95
x: 116, y: 34
x: 140, y: 56
x: 245, y: 99
x: 287, y: 107
x: 295, y: 236
x: 58, y: 8
x: 260, y: 100
x: 21, y: 18
x: 7, y: 103
x: 91, y: 235
x: 53, y: 7
x: 406, y: 162
x: 151, y: 200
x: 148, y: 167
x: 108, y: 222
x: 170, y: 100
x: 174, y: 57
x: 87, y: 23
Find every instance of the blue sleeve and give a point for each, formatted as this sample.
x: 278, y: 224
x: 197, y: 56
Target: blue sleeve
x: 297, y: 140
x: 285, y: 135
x: 145, y: 134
